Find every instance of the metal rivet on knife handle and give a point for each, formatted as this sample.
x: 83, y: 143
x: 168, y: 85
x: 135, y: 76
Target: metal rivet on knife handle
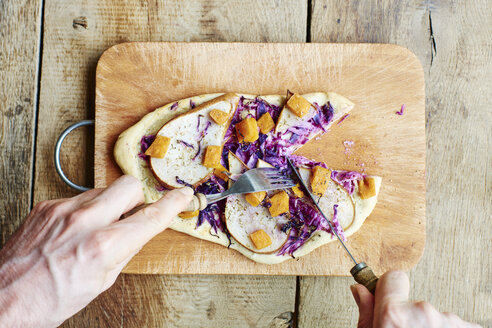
x: 365, y: 276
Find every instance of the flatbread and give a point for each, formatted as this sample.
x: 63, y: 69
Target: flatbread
x: 127, y: 149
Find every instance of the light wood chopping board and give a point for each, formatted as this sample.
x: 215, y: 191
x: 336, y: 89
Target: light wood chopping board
x: 133, y: 79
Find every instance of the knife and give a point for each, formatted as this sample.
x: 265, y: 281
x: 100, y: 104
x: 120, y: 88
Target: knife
x: 361, y: 272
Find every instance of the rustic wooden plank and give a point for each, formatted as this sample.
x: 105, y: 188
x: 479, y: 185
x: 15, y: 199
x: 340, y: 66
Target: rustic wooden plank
x: 377, y: 78
x: 19, y: 52
x: 193, y: 301
x: 75, y: 35
x: 456, y: 54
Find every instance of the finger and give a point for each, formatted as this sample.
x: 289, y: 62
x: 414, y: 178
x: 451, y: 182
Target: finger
x: 130, y: 234
x: 106, y: 207
x: 365, y: 302
x: 87, y: 195
x: 391, y: 291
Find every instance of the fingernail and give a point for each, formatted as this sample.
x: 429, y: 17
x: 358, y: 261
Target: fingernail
x: 355, y: 293
x: 187, y: 191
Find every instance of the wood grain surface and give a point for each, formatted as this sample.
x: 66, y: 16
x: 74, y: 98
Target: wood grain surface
x: 19, y: 51
x: 454, y: 273
x: 133, y: 79
x: 453, y: 42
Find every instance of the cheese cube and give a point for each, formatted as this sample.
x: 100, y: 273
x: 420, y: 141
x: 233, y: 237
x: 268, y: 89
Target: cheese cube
x: 266, y: 123
x: 367, y: 188
x: 159, y: 147
x: 320, y: 177
x: 255, y: 198
x: 188, y: 215
x: 298, y: 105
x: 279, y: 204
x: 212, y: 157
x: 221, y: 172
x: 218, y: 116
x: 297, y: 191
x: 247, y: 130
x: 260, y: 239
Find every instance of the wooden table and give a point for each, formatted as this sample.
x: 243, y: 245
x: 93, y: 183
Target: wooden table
x: 48, y: 53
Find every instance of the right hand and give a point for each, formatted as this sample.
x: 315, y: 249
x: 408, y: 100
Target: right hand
x: 390, y: 306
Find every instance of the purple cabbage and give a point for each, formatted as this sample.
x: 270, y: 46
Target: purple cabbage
x: 304, y: 221
x: 213, y: 213
x: 192, y: 104
x: 184, y: 143
x: 298, y: 160
x: 174, y: 106
x: 346, y: 179
x: 342, y: 119
x: 160, y: 188
x: 184, y: 183
x: 400, y: 112
x: 145, y: 143
x: 198, y: 151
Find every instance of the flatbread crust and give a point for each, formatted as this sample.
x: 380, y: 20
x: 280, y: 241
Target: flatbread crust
x: 127, y: 148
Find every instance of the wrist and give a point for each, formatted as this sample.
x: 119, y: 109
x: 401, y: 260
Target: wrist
x: 23, y: 301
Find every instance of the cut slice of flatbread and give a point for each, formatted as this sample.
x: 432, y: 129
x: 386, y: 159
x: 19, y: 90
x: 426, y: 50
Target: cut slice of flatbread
x: 242, y: 219
x: 340, y: 105
x: 197, y: 130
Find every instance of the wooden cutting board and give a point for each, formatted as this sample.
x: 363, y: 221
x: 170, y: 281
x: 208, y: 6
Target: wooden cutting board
x: 133, y: 79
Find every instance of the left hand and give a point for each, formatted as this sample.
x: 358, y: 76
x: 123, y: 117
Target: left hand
x: 68, y: 251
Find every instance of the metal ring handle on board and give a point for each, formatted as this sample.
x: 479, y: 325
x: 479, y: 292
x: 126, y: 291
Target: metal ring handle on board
x: 59, y: 143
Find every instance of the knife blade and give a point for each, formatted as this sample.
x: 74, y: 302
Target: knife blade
x: 361, y: 272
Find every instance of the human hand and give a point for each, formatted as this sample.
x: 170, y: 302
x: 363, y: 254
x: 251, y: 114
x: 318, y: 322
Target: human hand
x: 68, y: 251
x: 390, y: 306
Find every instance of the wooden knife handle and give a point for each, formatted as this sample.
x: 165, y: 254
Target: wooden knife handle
x: 364, y: 276
x: 198, y: 203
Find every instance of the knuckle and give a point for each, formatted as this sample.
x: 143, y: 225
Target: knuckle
x: 425, y: 307
x: 152, y: 213
x: 390, y: 313
x: 76, y: 216
x: 99, y: 242
x: 39, y: 207
x: 57, y: 209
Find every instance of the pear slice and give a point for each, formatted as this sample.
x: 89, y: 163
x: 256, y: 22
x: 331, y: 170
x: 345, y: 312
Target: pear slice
x: 340, y: 104
x: 242, y: 219
x: 197, y: 129
x: 334, y: 194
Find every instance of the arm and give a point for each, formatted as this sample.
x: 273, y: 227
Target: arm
x: 390, y: 306
x: 68, y: 251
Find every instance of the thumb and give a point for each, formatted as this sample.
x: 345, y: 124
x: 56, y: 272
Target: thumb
x: 365, y: 302
x: 136, y: 230
x: 392, y: 288
x: 165, y: 209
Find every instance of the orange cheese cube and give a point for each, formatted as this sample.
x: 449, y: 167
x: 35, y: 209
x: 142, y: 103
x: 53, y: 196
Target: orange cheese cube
x: 279, y: 204
x: 188, y: 215
x: 247, y: 130
x: 222, y: 172
x: 367, y: 188
x: 320, y: 177
x: 159, y: 147
x: 298, y: 105
x: 260, y: 239
x: 255, y: 198
x: 266, y: 123
x: 212, y: 157
x: 218, y: 116
x: 297, y: 191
